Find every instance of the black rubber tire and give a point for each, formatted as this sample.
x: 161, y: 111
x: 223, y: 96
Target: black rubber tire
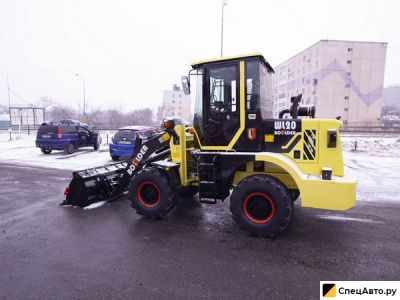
x: 70, y: 148
x: 148, y: 184
x: 279, y: 208
x: 45, y: 151
x: 187, y: 191
x: 115, y: 158
x: 294, y: 194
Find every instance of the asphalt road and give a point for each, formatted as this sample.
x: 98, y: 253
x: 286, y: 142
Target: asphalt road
x: 53, y: 252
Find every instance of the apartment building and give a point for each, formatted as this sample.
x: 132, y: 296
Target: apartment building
x: 176, y: 104
x: 391, y: 95
x: 341, y: 78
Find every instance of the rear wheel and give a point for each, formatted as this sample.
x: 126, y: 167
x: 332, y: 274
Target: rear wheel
x: 115, y: 158
x: 45, y: 151
x: 261, y: 205
x: 70, y: 148
x: 294, y: 194
x: 151, y: 193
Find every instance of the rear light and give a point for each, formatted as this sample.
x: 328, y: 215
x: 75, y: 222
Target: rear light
x: 66, y: 192
x: 59, y: 132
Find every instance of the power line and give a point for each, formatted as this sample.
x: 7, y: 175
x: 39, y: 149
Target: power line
x: 20, y: 98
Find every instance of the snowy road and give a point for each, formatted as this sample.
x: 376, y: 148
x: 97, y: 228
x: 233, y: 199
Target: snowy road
x: 53, y: 252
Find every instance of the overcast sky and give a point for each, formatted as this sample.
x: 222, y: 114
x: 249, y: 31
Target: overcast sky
x: 128, y: 52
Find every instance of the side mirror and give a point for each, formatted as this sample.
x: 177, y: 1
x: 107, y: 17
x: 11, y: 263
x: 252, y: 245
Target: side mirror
x: 186, y: 85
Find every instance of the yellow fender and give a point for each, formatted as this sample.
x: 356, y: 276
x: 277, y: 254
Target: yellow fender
x: 339, y: 193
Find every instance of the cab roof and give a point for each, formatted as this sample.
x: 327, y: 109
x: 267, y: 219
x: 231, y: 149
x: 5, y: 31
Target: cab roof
x: 238, y: 57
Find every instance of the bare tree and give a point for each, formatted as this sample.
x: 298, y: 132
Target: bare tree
x: 58, y: 112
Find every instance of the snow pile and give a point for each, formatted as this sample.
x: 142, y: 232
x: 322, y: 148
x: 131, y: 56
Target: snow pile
x: 382, y: 146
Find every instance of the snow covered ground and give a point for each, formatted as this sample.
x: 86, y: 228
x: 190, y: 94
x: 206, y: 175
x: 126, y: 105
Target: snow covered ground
x: 22, y: 150
x: 372, y: 145
x: 375, y: 164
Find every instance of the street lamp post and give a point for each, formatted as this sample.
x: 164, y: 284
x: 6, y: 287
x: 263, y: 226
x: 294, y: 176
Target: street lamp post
x: 222, y: 26
x: 84, y: 94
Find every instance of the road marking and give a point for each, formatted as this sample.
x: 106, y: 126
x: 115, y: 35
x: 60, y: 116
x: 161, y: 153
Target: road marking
x: 343, y: 218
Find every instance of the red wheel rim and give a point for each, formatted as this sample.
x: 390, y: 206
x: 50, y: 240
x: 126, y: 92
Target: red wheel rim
x: 148, y: 193
x: 259, y: 208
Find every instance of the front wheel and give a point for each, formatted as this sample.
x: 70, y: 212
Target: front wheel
x: 45, y: 151
x: 70, y: 148
x: 151, y: 193
x: 261, y: 205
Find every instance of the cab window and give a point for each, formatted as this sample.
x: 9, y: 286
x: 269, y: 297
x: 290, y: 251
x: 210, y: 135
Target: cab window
x: 258, y: 88
x: 222, y: 89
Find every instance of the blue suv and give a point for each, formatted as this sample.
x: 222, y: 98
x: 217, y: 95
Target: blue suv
x: 67, y: 136
x: 123, y: 142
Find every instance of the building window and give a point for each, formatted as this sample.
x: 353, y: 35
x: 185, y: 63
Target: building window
x: 348, y: 73
x: 349, y: 49
x: 347, y: 85
x: 173, y: 101
x: 346, y: 109
x: 346, y: 97
x: 349, y: 62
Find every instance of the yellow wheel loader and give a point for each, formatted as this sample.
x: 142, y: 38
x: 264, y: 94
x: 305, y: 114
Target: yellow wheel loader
x: 235, y: 150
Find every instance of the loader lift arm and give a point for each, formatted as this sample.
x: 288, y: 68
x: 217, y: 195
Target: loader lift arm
x: 112, y: 180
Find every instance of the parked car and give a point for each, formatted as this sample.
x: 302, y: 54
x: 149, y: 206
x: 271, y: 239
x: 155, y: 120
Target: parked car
x: 67, y: 137
x: 123, y: 142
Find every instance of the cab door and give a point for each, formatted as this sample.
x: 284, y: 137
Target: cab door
x: 221, y: 106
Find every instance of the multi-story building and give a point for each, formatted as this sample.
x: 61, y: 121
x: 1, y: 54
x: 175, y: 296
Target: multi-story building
x: 391, y: 95
x: 176, y: 104
x: 341, y: 78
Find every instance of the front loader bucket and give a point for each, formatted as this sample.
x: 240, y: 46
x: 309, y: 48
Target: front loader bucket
x: 95, y: 184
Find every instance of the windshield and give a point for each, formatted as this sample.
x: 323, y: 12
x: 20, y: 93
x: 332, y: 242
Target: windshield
x: 128, y: 134
x: 47, y: 129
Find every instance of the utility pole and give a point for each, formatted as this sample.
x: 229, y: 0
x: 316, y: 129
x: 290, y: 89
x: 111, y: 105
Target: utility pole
x: 9, y: 99
x: 224, y: 2
x: 84, y: 97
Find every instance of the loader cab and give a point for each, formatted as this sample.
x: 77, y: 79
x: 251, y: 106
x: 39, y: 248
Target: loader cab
x: 233, y: 96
